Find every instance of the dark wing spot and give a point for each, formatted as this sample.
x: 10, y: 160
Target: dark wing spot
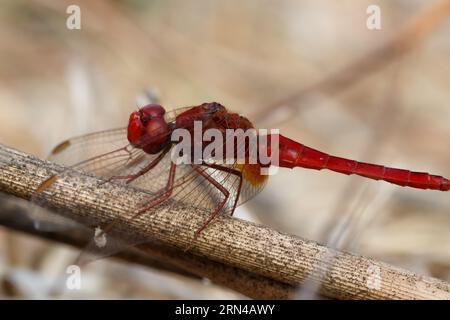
x: 61, y: 147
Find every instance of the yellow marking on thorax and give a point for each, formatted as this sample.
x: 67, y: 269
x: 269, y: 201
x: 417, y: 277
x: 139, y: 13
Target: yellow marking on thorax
x: 252, y: 173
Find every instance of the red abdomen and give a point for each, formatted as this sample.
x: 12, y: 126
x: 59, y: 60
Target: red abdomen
x: 294, y: 154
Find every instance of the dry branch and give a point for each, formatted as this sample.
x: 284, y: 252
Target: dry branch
x: 261, y: 258
x: 14, y: 214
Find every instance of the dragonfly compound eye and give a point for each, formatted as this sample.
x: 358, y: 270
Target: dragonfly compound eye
x: 152, y: 111
x: 135, y: 129
x: 156, y: 135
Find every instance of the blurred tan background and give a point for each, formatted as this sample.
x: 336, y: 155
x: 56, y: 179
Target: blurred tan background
x: 247, y: 55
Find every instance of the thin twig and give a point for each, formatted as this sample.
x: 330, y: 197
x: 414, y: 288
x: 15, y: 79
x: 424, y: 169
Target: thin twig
x: 235, y: 243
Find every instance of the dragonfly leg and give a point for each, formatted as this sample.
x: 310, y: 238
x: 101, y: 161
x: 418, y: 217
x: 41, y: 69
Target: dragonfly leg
x: 131, y: 177
x: 158, y: 199
x: 162, y: 196
x: 220, y: 205
x: 232, y: 171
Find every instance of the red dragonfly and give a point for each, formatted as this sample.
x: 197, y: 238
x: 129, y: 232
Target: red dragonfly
x: 140, y: 155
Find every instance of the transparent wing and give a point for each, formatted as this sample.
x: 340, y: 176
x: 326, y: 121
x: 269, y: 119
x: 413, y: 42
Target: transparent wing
x: 206, y: 186
x: 195, y: 187
x: 86, y: 146
x: 105, y: 154
x: 100, y: 153
x: 234, y: 178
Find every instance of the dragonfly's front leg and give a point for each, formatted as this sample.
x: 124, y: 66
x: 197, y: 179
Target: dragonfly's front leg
x: 162, y: 196
x: 159, y: 198
x: 131, y: 177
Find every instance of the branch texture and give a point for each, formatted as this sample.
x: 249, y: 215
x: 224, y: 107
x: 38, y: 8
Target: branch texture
x: 264, y: 262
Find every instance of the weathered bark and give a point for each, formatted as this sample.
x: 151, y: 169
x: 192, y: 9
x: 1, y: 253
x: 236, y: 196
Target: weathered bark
x: 259, y: 257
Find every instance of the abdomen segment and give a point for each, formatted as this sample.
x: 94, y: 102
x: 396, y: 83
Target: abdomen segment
x: 294, y: 154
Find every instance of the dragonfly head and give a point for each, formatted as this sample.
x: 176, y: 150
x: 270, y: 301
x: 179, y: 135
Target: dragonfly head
x: 148, y: 130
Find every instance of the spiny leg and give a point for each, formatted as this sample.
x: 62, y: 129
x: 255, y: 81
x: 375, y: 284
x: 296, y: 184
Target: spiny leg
x: 219, y: 206
x: 232, y: 171
x: 131, y: 177
x: 162, y: 196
